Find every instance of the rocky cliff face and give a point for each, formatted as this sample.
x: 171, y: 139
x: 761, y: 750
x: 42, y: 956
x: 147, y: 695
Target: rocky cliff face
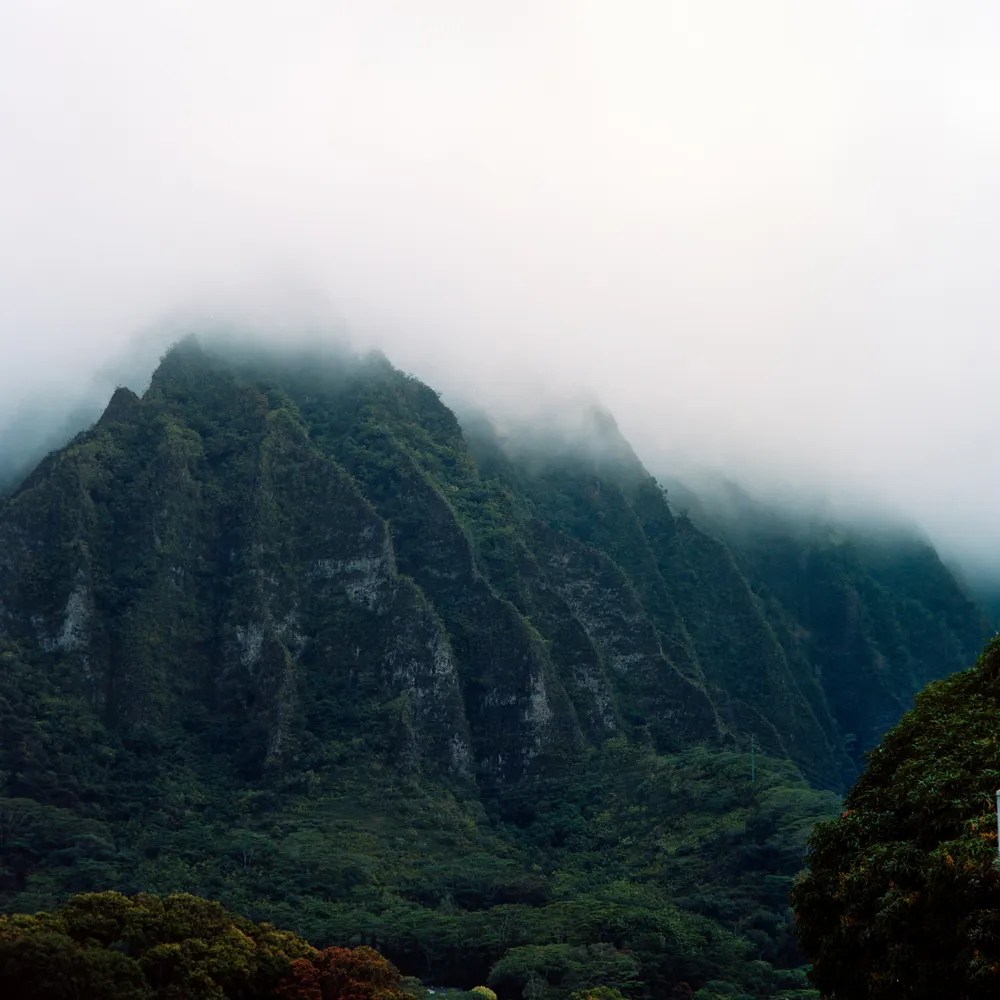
x: 871, y: 613
x: 276, y: 559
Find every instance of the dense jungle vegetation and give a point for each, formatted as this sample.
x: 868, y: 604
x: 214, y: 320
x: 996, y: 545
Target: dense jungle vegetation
x: 286, y: 634
x: 902, y: 896
x: 114, y: 947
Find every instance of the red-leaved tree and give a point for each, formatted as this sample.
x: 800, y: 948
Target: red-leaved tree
x: 343, y: 974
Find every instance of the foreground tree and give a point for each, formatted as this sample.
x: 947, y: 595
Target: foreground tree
x: 114, y: 947
x: 901, y: 898
x: 344, y: 974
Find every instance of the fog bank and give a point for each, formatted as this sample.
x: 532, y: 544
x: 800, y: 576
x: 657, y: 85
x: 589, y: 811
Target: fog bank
x: 763, y: 235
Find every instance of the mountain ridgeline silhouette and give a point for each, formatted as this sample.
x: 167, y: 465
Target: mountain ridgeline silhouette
x: 284, y: 597
x: 261, y: 538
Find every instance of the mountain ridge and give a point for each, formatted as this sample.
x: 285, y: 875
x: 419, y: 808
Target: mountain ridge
x: 711, y: 649
x: 286, y: 631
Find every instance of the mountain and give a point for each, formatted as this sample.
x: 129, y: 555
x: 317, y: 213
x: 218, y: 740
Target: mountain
x: 285, y: 632
x: 877, y: 613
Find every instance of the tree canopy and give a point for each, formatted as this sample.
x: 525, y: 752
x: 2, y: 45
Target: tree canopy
x: 146, y: 947
x: 902, y: 893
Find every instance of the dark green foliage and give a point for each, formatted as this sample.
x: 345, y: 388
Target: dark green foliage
x: 143, y: 948
x: 866, y: 617
x: 551, y: 970
x: 902, y: 895
x: 278, y: 634
x: 812, y: 636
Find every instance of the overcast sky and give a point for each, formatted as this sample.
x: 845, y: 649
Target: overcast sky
x: 763, y: 233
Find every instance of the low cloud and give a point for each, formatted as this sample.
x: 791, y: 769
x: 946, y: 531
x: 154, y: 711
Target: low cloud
x: 763, y: 235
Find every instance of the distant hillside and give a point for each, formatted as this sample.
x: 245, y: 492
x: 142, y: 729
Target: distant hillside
x: 874, y: 610
x: 284, y: 633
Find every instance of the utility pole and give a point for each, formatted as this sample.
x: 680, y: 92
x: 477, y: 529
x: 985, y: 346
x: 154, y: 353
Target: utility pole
x: 753, y: 778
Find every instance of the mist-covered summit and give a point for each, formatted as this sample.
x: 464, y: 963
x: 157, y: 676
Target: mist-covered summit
x: 277, y: 553
x: 286, y: 632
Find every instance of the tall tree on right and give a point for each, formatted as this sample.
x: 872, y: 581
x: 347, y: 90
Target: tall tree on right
x: 901, y: 896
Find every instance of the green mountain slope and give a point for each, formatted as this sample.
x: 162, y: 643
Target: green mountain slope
x: 282, y: 632
x: 873, y: 611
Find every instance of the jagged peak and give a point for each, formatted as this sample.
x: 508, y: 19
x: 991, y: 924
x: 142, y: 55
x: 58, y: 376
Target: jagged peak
x: 251, y: 357
x: 580, y: 434
x: 121, y: 407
